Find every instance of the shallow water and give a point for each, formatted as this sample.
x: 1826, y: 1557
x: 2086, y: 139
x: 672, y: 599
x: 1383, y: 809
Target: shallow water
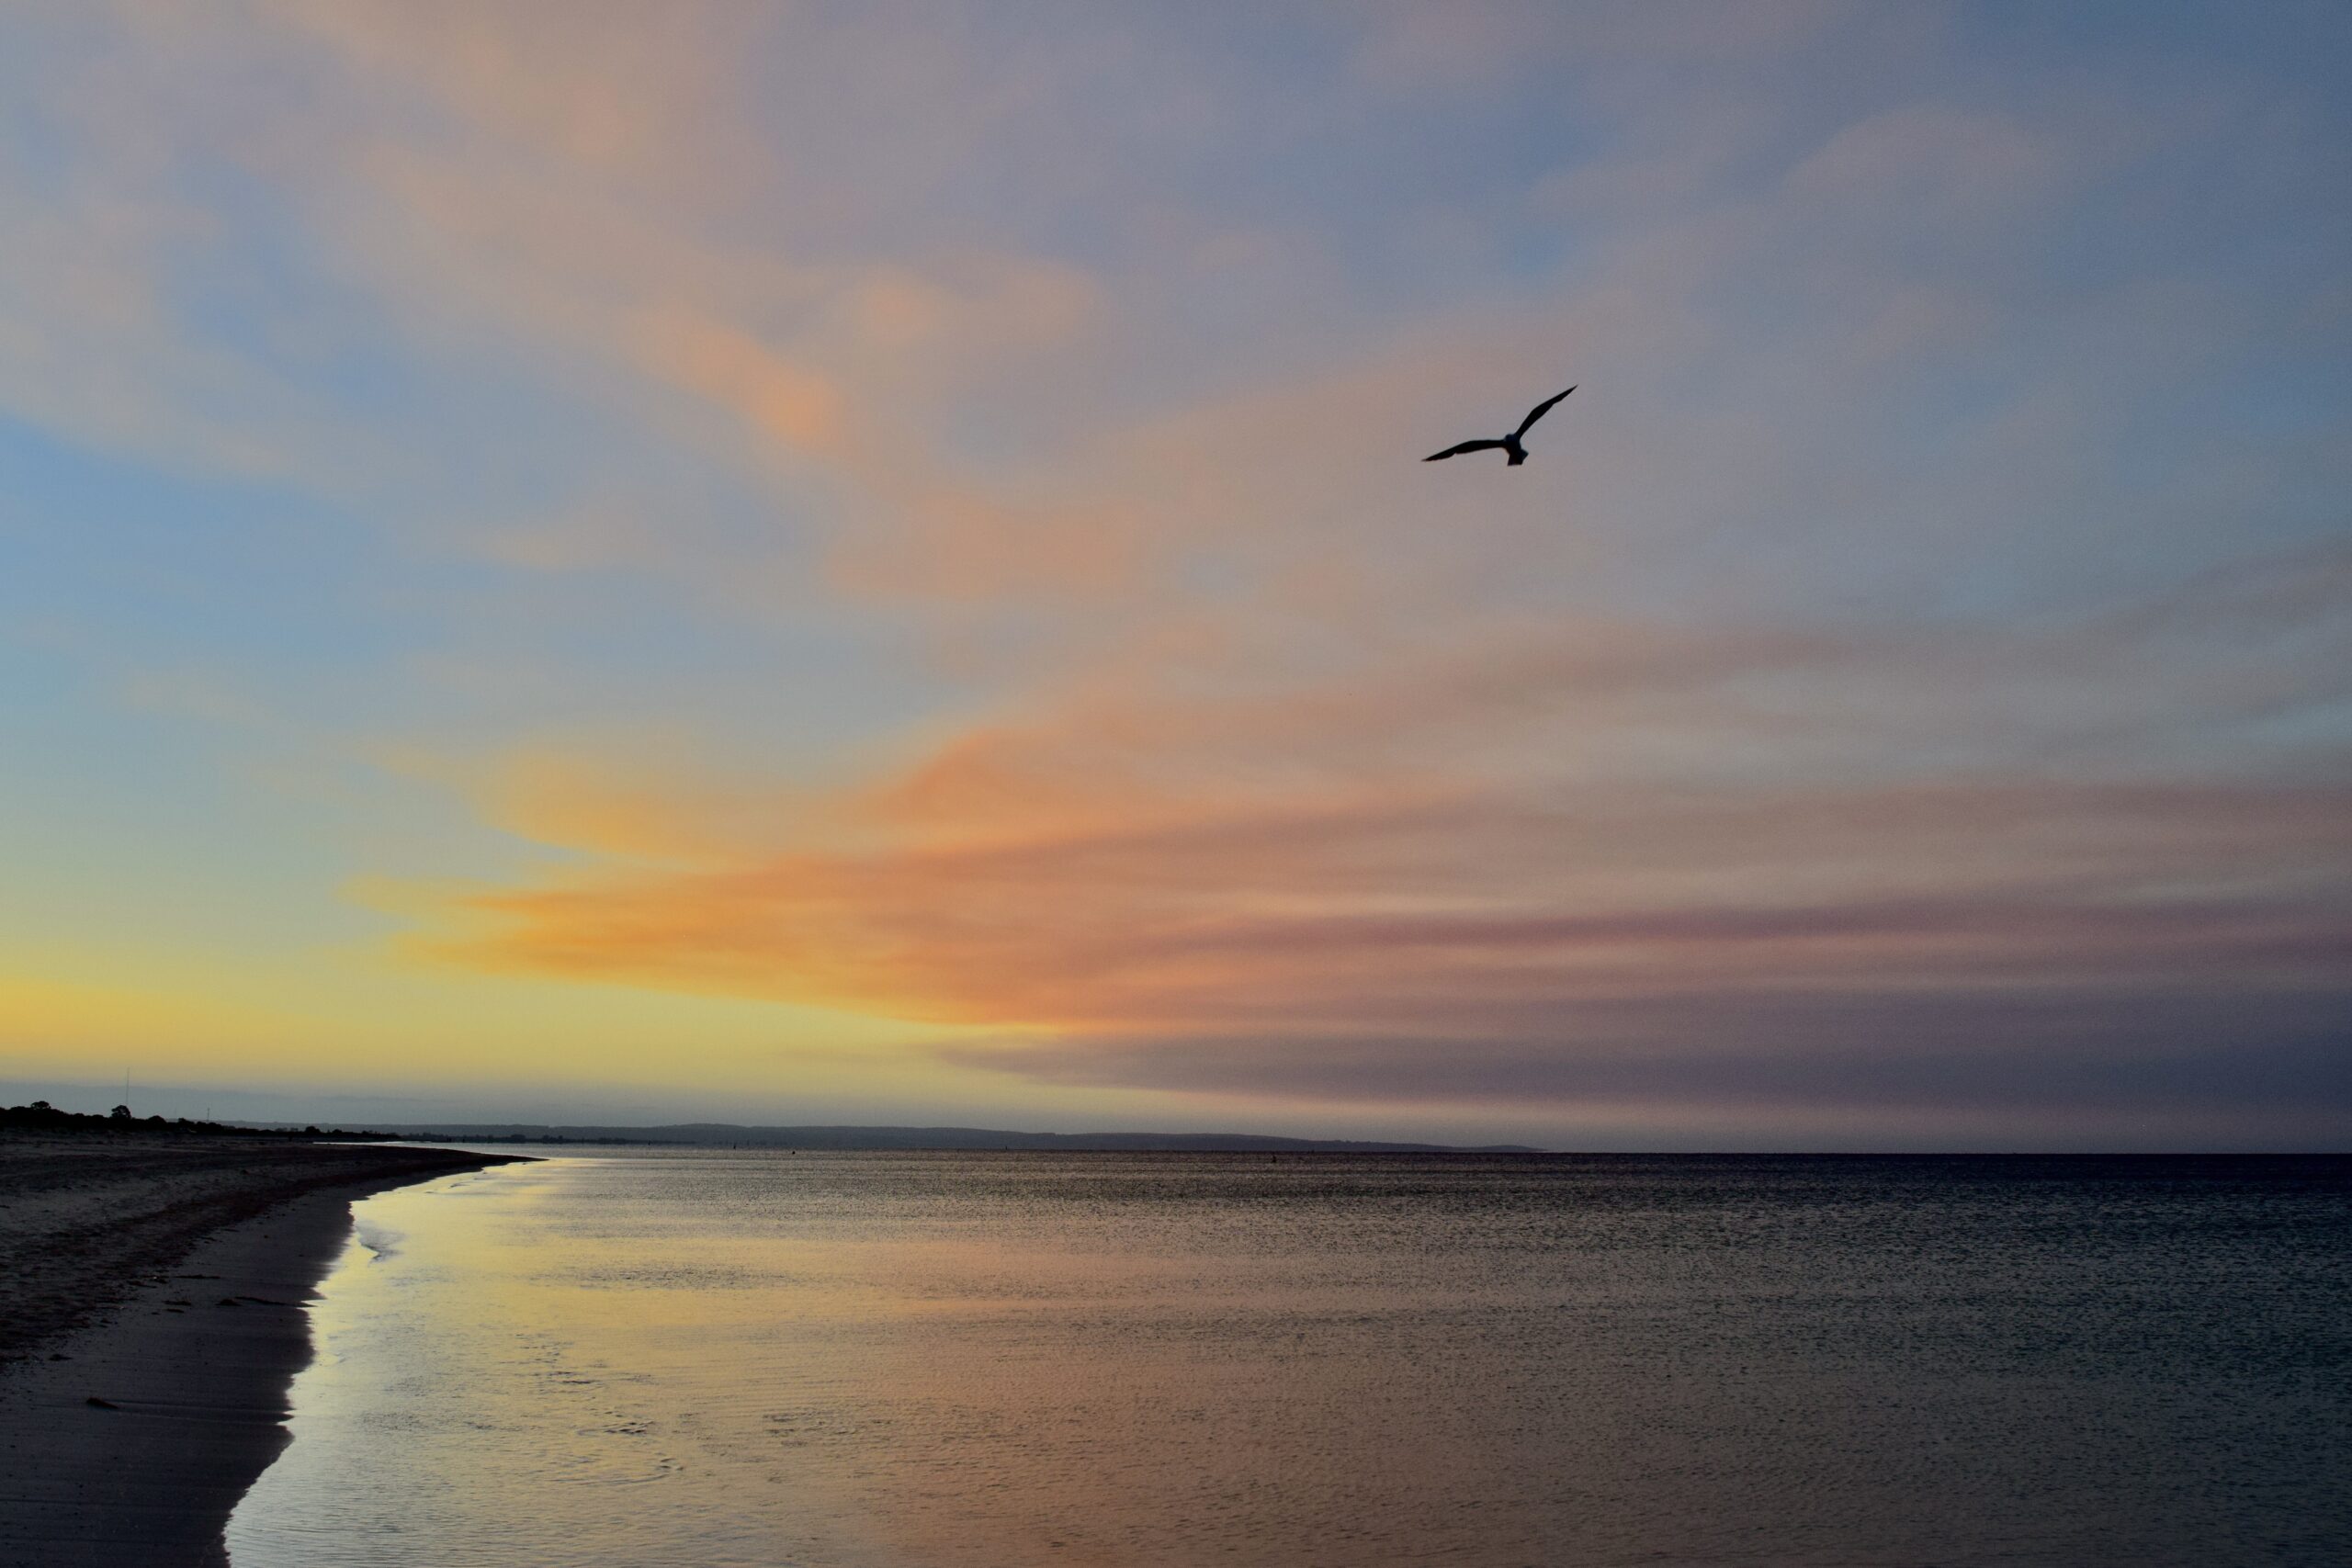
x: 714, y: 1358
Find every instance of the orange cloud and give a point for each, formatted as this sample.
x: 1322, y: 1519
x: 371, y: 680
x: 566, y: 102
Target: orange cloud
x: 1288, y: 868
x: 588, y: 82
x: 791, y: 403
x: 1454, y: 915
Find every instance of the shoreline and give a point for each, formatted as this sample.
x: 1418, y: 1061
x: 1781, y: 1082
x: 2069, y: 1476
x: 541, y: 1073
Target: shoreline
x: 201, y: 1324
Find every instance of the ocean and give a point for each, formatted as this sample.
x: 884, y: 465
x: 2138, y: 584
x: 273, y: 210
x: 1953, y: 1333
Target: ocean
x: 638, y: 1357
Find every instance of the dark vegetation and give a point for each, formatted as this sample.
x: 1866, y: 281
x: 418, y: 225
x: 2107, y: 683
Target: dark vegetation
x: 40, y: 1116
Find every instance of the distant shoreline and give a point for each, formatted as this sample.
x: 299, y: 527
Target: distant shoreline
x: 709, y: 1134
x: 154, y: 1320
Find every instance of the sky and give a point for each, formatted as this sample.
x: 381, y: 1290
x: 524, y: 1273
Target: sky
x: 869, y: 563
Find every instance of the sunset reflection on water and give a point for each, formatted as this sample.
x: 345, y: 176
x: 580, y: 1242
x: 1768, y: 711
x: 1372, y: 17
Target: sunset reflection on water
x: 648, y: 1357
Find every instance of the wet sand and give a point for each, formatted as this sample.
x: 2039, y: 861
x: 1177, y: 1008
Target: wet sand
x: 151, y: 1320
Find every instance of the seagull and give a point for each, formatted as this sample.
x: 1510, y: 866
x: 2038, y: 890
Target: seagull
x: 1507, y: 444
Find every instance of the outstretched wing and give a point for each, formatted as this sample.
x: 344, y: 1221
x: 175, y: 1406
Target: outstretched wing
x: 1465, y: 446
x: 1538, y: 412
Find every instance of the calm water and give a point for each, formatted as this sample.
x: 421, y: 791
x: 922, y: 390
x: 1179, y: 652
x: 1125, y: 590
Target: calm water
x: 717, y: 1358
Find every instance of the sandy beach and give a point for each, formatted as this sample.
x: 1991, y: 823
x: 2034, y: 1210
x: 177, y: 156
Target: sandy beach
x: 151, y: 1320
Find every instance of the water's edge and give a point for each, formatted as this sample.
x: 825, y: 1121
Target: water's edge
x: 195, y: 1371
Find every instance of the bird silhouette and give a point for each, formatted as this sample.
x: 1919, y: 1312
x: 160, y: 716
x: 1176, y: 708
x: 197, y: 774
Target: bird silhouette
x: 1508, y: 443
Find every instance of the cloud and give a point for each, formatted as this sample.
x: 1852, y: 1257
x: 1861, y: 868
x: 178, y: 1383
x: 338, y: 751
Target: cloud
x: 961, y: 554
x: 1767, y: 1055
x: 1548, y: 864
x: 796, y: 407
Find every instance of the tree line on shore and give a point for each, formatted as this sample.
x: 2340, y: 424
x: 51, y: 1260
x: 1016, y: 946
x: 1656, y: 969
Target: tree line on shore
x: 40, y: 1116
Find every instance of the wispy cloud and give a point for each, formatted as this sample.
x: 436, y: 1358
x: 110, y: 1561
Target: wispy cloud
x: 1541, y: 864
x: 915, y: 511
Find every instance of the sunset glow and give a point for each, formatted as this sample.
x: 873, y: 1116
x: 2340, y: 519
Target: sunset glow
x: 872, y: 564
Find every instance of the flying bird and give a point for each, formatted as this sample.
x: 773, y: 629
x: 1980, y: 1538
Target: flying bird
x: 1508, y: 443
